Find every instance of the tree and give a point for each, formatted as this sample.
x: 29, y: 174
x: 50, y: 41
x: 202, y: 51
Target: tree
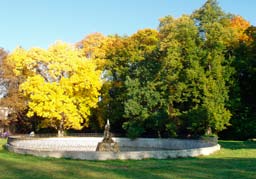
x: 196, y: 69
x: 145, y: 106
x: 239, y: 25
x: 213, y: 23
x: 3, y: 84
x: 11, y: 98
x: 182, y: 70
x: 132, y: 65
x: 243, y: 96
x: 94, y: 47
x: 118, y: 58
x: 61, y: 85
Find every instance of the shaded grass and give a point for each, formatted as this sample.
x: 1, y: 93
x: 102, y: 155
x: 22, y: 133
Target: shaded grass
x: 236, y: 159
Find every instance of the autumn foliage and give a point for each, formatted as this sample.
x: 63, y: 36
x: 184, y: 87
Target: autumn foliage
x: 239, y: 25
x: 61, y: 85
x: 193, y: 76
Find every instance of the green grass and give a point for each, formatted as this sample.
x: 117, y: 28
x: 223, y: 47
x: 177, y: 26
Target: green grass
x: 236, y: 159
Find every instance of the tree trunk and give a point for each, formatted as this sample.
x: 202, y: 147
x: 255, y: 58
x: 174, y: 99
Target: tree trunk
x: 60, y: 133
x: 61, y: 128
x: 159, y: 134
x: 208, y: 131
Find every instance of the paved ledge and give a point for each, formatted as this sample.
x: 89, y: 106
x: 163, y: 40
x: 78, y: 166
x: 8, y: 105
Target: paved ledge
x: 84, y: 148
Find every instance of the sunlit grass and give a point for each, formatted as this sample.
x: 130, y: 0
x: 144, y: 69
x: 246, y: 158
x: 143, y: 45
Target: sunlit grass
x: 236, y: 159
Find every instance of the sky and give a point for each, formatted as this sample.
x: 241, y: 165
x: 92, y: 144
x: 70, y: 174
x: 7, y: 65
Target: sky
x: 39, y: 23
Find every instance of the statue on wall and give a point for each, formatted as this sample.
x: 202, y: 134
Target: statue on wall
x: 107, y: 144
x: 107, y: 135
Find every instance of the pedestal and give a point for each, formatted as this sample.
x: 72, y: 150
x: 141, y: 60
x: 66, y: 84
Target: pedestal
x: 107, y: 147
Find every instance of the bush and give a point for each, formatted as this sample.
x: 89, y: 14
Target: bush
x: 133, y: 129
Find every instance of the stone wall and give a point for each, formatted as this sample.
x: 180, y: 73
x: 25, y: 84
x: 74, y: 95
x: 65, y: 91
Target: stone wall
x: 85, y: 148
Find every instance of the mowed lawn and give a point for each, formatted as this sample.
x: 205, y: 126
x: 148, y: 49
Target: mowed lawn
x: 237, y: 159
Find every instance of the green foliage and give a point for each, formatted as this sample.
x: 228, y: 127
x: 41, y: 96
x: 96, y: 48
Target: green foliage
x: 215, y: 90
x: 188, y: 78
x: 145, y: 104
x: 136, y: 90
x: 195, y: 68
x: 133, y: 129
x: 146, y: 100
x: 243, y: 96
x: 196, y: 120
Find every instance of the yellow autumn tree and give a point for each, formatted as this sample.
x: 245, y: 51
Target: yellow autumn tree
x: 239, y: 25
x: 61, y: 86
x: 94, y: 47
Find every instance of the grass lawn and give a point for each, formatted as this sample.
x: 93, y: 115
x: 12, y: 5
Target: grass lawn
x: 236, y: 159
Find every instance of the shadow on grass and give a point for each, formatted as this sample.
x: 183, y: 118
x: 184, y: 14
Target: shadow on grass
x: 24, y: 167
x: 216, y: 166
x: 238, y: 144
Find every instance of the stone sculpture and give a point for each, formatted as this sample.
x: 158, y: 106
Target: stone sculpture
x: 107, y: 144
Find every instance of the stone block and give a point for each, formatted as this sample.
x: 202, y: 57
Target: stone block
x: 107, y: 147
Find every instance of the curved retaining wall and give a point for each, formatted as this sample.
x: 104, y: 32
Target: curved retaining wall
x: 85, y: 148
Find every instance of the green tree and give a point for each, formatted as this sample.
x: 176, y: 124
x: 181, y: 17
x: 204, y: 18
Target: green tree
x: 243, y: 96
x: 182, y: 70
x: 113, y: 94
x: 196, y: 68
x: 133, y: 64
x: 213, y: 25
x: 145, y: 105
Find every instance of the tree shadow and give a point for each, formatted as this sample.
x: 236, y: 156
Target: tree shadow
x: 215, y: 166
x: 23, y: 167
x: 234, y: 145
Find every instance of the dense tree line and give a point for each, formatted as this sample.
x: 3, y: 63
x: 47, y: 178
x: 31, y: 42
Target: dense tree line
x: 193, y: 76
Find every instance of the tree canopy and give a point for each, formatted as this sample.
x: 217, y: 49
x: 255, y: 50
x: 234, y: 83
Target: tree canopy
x: 61, y: 85
x: 194, y: 75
